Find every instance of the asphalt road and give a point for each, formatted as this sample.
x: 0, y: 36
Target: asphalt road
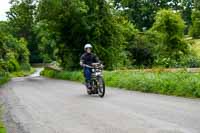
x: 39, y: 105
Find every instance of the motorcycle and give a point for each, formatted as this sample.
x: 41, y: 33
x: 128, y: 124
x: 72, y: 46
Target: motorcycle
x: 97, y: 81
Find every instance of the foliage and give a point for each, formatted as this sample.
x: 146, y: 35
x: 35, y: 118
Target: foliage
x: 14, y: 54
x: 21, y: 21
x: 143, y: 48
x: 22, y: 73
x: 57, y: 31
x: 46, y: 40
x: 195, y: 46
x: 195, y: 28
x: 189, y: 61
x: 65, y: 75
x: 90, y: 22
x: 4, y: 77
x: 197, y: 4
x: 157, y: 82
x: 2, y: 126
x: 170, y: 26
x: 164, y: 83
x: 142, y: 12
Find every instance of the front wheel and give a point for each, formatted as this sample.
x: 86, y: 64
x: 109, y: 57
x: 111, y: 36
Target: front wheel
x: 101, y: 87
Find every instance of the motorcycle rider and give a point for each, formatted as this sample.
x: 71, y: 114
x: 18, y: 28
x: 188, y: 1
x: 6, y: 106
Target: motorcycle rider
x: 87, y: 59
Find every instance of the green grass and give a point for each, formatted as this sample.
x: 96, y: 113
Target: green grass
x: 4, y: 77
x: 65, y: 75
x: 22, y: 73
x: 178, y: 83
x: 2, y: 126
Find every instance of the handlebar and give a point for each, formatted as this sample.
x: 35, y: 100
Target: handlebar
x: 87, y: 66
x: 93, y: 65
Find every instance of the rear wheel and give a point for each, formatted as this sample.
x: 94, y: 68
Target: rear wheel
x: 101, y: 87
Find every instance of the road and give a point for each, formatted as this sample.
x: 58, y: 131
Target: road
x: 40, y: 105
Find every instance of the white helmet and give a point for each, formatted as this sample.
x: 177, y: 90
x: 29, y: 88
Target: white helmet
x: 88, y: 46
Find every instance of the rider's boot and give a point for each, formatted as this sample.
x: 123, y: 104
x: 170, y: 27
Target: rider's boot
x: 88, y: 85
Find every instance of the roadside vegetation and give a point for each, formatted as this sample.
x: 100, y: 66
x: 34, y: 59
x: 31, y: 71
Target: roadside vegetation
x: 124, y: 33
x: 195, y: 45
x: 4, y: 77
x: 2, y: 126
x: 179, y: 83
x: 14, y: 55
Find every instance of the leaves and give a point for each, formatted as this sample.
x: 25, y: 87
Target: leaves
x: 171, y: 26
x: 13, y: 52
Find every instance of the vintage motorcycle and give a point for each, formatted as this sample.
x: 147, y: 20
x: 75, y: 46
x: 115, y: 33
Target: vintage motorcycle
x: 97, y: 81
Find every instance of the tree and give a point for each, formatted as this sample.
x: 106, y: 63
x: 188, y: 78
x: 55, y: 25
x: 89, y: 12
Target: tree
x: 46, y: 40
x: 186, y: 12
x: 139, y: 12
x: 197, y: 4
x: 171, y: 27
x: 195, y: 28
x: 78, y: 22
x: 14, y: 54
x: 21, y: 19
x: 142, y: 12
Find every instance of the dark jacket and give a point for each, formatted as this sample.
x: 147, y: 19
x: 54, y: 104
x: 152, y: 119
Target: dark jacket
x: 89, y: 58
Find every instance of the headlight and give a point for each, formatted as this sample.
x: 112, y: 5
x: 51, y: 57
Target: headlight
x: 98, y: 73
x: 93, y: 70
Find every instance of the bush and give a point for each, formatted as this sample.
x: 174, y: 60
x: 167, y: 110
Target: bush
x: 12, y: 53
x: 25, y: 67
x: 13, y: 65
x: 143, y: 47
x: 171, y: 27
x: 189, y: 61
x: 168, y: 83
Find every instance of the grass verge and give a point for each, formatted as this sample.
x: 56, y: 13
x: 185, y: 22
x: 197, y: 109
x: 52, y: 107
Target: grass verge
x: 178, y: 83
x: 4, y: 78
x: 22, y: 73
x: 2, y: 126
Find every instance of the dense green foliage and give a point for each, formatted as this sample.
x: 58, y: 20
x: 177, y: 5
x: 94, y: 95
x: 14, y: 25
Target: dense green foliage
x: 194, y: 31
x: 4, y: 77
x: 164, y: 44
x: 170, y: 27
x: 21, y: 21
x: 124, y: 33
x: 75, y: 23
x: 151, y: 82
x: 14, y: 55
x: 142, y: 12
